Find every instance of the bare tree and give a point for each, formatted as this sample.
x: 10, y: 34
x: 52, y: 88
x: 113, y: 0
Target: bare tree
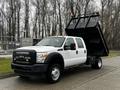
x: 52, y: 16
x: 37, y: 19
x: 27, y: 29
x: 103, y: 4
x: 60, y: 19
x: 18, y: 3
x: 86, y: 6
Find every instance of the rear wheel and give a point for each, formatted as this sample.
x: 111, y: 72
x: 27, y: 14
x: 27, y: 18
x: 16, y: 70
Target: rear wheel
x: 97, y: 64
x: 54, y: 73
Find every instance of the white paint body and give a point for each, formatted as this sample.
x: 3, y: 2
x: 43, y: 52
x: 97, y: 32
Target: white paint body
x: 71, y: 57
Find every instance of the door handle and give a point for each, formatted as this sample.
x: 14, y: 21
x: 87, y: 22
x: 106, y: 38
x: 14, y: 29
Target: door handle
x: 85, y: 51
x: 76, y: 51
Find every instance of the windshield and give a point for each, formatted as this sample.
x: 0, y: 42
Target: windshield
x: 52, y: 41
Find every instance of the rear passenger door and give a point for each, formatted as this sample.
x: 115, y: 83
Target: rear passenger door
x: 81, y: 51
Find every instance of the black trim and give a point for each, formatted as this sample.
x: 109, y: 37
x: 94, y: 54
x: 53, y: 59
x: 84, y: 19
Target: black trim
x: 60, y: 50
x: 54, y: 56
x: 29, y: 69
x: 21, y: 55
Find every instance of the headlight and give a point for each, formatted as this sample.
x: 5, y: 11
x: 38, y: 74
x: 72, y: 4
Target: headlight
x: 41, y: 57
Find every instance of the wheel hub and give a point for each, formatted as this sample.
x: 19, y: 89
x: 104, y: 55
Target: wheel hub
x: 55, y: 73
x: 99, y: 63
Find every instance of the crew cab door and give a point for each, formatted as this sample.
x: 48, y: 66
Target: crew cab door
x: 81, y: 51
x: 70, y: 52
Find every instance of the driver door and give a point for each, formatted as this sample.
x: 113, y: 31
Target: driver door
x: 69, y: 54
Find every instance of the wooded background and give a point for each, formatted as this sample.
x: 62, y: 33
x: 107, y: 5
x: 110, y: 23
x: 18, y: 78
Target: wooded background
x: 41, y: 18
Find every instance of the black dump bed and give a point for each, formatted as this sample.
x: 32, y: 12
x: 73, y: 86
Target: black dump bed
x: 89, y: 29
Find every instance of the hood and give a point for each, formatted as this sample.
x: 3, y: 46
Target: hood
x: 39, y: 48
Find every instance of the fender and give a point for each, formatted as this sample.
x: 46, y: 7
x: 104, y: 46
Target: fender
x: 55, y: 58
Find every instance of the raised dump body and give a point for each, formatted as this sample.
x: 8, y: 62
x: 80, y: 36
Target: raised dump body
x: 88, y: 27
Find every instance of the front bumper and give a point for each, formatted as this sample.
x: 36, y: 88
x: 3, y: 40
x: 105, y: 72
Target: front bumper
x: 28, y: 70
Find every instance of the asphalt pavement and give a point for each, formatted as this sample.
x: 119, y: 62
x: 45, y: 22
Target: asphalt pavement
x: 78, y: 78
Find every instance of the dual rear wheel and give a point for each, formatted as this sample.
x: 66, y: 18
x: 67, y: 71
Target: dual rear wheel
x: 97, y: 64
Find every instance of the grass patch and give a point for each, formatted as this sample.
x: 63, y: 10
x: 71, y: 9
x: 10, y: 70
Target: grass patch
x: 114, y: 53
x: 5, y: 66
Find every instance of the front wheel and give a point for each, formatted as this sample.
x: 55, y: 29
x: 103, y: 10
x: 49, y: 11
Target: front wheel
x: 97, y: 64
x: 54, y: 73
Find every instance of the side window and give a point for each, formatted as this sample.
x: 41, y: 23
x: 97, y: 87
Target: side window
x: 68, y: 43
x: 79, y: 43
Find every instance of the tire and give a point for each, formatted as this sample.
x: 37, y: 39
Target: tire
x: 53, y: 74
x: 97, y: 64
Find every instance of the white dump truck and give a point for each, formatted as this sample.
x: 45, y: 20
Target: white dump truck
x: 84, y: 44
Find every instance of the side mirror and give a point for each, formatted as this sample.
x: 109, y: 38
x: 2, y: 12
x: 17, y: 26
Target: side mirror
x: 73, y: 46
x: 66, y: 47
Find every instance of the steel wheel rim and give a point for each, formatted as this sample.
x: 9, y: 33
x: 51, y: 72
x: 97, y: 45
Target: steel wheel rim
x: 55, y: 73
x: 99, y: 64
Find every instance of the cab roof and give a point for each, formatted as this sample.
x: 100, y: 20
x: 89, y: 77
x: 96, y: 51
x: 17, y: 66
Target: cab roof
x: 67, y: 36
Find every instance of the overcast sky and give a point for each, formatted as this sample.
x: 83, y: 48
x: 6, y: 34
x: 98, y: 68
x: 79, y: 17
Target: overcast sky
x: 98, y: 3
